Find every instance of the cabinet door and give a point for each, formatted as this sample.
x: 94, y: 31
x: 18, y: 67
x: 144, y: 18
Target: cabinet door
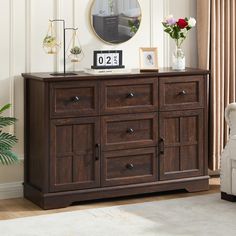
x: 75, y: 154
x: 181, y: 147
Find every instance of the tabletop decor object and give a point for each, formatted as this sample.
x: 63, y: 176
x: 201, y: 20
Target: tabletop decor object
x: 178, y: 30
x: 111, y: 59
x: 148, y: 59
x: 7, y: 141
x: 75, y: 51
x: 50, y: 42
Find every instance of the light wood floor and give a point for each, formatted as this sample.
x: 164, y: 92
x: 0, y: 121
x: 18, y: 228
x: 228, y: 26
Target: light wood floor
x: 16, y: 208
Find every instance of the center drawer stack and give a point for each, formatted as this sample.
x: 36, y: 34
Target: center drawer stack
x: 129, y: 131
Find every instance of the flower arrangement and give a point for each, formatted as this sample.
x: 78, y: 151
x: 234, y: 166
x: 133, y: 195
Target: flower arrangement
x: 178, y: 29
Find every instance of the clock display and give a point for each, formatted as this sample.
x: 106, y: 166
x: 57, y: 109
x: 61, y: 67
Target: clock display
x: 107, y: 59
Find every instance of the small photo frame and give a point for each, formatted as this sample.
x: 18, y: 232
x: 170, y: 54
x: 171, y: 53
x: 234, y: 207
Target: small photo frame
x: 148, y: 59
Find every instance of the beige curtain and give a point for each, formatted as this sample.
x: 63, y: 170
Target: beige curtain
x: 217, y: 52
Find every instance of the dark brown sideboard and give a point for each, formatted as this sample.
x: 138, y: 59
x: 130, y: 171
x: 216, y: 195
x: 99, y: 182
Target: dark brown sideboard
x: 92, y: 137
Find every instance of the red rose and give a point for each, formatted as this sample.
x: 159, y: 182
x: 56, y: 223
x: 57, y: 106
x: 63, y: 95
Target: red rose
x: 182, y: 23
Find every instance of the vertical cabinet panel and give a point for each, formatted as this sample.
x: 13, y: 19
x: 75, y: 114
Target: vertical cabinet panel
x: 73, y: 164
x: 181, y: 134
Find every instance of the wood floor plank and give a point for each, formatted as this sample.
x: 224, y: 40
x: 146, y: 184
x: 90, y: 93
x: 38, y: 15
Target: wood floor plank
x: 17, y: 208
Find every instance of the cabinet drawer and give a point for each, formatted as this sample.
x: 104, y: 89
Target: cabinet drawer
x: 129, y: 95
x: 72, y: 99
x: 181, y: 92
x: 129, y: 131
x: 129, y: 167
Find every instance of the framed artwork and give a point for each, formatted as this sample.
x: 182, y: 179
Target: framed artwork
x: 148, y: 59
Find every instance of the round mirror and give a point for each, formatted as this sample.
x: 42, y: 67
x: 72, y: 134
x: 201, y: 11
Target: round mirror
x: 115, y: 21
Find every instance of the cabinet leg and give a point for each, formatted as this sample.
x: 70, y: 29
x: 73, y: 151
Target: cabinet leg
x: 198, y: 186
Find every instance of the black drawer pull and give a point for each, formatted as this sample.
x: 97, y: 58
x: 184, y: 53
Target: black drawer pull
x: 130, y: 131
x: 130, y: 166
x: 130, y: 95
x: 182, y: 93
x: 75, y: 99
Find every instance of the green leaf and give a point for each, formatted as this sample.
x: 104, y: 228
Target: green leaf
x: 6, y: 121
x: 7, y: 106
x: 8, y: 157
x: 7, y: 141
x: 167, y: 31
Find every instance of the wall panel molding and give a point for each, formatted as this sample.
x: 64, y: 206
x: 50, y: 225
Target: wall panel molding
x: 11, y: 60
x: 166, y: 40
x: 28, y: 36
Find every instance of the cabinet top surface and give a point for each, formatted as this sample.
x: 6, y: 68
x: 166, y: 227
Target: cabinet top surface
x: 80, y: 75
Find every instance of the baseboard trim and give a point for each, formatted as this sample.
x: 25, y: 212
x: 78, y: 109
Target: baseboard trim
x: 11, y: 190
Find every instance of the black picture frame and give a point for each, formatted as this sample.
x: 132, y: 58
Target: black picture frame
x: 97, y: 52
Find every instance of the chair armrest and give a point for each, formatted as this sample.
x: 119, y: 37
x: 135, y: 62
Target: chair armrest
x: 231, y: 107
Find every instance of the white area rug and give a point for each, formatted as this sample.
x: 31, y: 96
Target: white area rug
x: 198, y: 216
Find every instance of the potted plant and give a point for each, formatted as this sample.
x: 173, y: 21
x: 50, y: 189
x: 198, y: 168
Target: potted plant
x: 178, y: 30
x: 75, y: 51
x: 50, y: 43
x: 134, y: 26
x: 7, y: 141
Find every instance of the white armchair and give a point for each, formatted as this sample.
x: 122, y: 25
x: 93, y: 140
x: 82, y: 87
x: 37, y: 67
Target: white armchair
x: 228, y: 158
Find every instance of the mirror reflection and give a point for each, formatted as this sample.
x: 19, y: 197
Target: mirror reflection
x: 115, y: 21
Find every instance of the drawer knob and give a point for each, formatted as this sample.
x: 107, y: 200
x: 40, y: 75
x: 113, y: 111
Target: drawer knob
x: 76, y: 99
x: 130, y: 166
x: 130, y: 131
x: 130, y: 95
x: 183, y: 93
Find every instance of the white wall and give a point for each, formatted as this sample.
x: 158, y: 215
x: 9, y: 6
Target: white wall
x: 25, y: 25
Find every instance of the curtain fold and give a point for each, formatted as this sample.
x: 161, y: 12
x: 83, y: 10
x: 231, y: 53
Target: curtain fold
x: 217, y: 52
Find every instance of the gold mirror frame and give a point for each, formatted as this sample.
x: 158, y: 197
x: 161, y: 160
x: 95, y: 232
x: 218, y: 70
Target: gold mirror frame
x: 102, y: 39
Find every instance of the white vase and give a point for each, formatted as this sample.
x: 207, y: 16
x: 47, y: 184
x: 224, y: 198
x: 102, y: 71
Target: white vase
x: 178, y: 59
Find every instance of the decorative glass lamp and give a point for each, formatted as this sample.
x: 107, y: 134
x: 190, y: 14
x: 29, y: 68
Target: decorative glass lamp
x: 74, y: 51
x: 50, y: 43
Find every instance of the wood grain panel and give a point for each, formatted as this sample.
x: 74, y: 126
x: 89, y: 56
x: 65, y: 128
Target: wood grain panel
x: 186, y: 92
x: 129, y: 131
x: 185, y: 157
x: 74, y: 99
x: 73, y: 164
x: 127, y: 96
x: 129, y: 166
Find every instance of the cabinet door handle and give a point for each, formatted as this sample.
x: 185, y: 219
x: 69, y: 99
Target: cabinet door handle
x: 182, y: 93
x: 97, y: 152
x: 75, y: 99
x: 162, y: 146
x: 130, y: 95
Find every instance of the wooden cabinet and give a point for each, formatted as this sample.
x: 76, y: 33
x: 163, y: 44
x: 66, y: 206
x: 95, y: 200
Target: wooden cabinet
x: 74, y: 152
x: 181, y: 146
x: 91, y: 137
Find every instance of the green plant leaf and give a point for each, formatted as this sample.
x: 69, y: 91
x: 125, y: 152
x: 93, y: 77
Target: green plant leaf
x: 6, y: 121
x: 7, y: 106
x: 7, y: 141
x: 8, y: 157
